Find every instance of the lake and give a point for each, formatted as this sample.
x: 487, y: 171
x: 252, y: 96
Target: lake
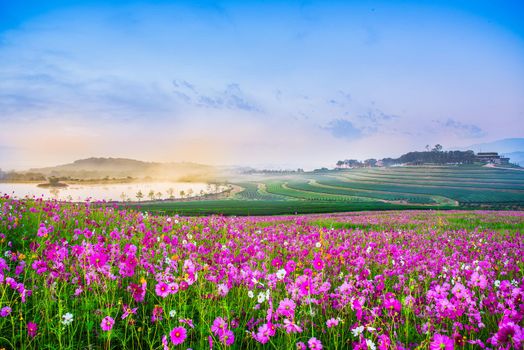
x: 111, y: 192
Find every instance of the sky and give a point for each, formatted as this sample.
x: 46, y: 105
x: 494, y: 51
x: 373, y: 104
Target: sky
x: 277, y: 84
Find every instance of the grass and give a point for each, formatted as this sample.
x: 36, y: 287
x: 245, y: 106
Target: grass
x: 261, y: 207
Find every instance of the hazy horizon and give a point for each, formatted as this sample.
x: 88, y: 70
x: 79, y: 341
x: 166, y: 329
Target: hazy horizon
x: 268, y: 84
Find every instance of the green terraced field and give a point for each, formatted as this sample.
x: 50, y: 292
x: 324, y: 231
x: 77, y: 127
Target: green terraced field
x: 451, y: 187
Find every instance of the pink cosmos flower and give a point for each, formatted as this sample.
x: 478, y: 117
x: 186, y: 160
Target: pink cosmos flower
x: 178, y: 335
x: 286, y: 308
x: 262, y: 335
x: 98, y: 260
x: 187, y: 321
x: 228, y: 337
x: 32, y: 329
x: 165, y: 344
x: 301, y: 346
x: 291, y: 327
x: 318, y: 263
x: 173, y: 288
x: 5, y: 311
x: 222, y: 289
x: 42, y: 231
x: 138, y: 291
x: 107, y: 323
x: 157, y: 314
x: 219, y: 326
x: 332, y: 322
x: 162, y: 289
x: 440, y: 342
x: 128, y: 311
x: 383, y: 342
x: 314, y: 343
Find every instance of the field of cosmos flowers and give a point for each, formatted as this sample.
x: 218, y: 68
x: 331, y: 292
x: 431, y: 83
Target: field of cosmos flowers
x: 79, y: 276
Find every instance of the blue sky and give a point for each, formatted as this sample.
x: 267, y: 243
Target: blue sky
x: 280, y: 84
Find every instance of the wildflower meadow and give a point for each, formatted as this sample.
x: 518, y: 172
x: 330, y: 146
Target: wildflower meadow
x: 94, y: 276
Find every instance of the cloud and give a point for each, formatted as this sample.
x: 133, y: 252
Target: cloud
x: 461, y: 129
x: 232, y: 97
x: 376, y: 116
x: 343, y: 128
x: 41, y: 94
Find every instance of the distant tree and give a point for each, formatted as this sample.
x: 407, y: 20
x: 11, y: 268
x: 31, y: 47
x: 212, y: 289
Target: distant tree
x: 182, y: 193
x: 370, y: 162
x: 190, y: 192
x: 54, y: 180
x: 151, y: 194
x: 139, y: 195
x: 170, y: 192
x: 437, y: 148
x: 159, y: 195
x: 123, y: 196
x: 427, y: 148
x: 340, y: 163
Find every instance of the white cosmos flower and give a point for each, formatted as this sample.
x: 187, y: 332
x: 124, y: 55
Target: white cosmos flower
x: 172, y: 313
x: 370, y: 344
x: 318, y: 245
x: 67, y: 318
x: 357, y: 331
x: 281, y: 274
x: 250, y: 294
x: 261, y: 297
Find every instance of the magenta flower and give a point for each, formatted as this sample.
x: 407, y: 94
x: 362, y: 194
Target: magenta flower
x: 219, y: 326
x: 228, y: 337
x: 98, y: 260
x: 440, y: 342
x: 162, y: 289
x: 42, y: 231
x: 318, y: 263
x: 165, y: 344
x: 314, y: 343
x: 157, y: 314
x: 5, y: 311
x: 384, y: 342
x: 178, y: 335
x: 32, y: 329
x: 301, y: 346
x: 187, y: 321
x: 173, y: 288
x: 286, y: 308
x: 222, y: 289
x: 332, y: 322
x: 291, y: 327
x: 262, y: 335
x: 128, y: 311
x: 107, y: 323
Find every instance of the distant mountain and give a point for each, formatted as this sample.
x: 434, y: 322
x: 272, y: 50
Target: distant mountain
x: 97, y: 168
x: 512, y: 148
x: 516, y: 158
x: 501, y: 146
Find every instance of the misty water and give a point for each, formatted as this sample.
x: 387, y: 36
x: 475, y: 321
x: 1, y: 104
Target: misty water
x: 111, y: 192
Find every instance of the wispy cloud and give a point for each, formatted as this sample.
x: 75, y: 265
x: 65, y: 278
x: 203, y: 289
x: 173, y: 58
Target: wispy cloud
x: 343, y: 128
x: 231, y: 97
x: 460, y: 129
